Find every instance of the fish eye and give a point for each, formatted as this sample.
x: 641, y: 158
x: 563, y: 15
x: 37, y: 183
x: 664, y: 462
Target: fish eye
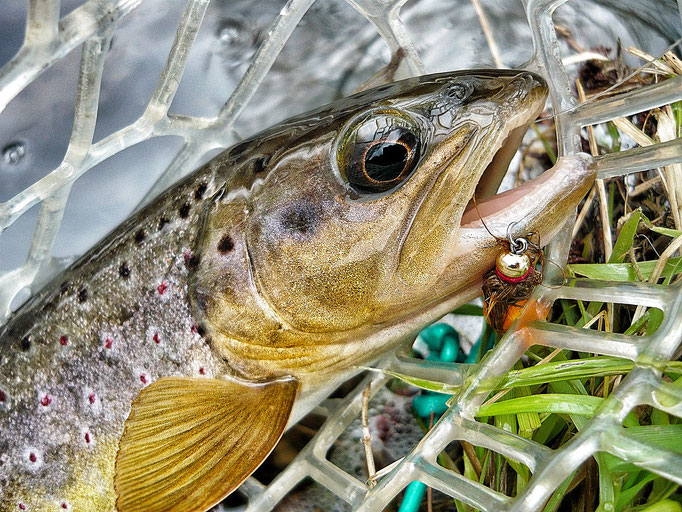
x: 379, y: 152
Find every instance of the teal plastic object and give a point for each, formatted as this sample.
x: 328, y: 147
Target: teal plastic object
x: 444, y: 339
x: 443, y: 343
x: 430, y: 402
x: 414, y: 494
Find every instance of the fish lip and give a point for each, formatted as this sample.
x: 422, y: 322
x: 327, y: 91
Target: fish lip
x: 533, y: 207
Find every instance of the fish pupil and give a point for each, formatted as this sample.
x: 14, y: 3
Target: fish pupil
x: 385, y: 161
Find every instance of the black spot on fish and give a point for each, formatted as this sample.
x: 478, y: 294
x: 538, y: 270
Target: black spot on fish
x: 125, y: 314
x: 301, y: 218
x: 200, y: 191
x: 82, y: 295
x: 226, y: 244
x: 139, y: 237
x: 192, y: 261
x: 184, y: 211
x: 201, y: 331
x: 124, y: 271
x: 64, y: 287
x: 25, y: 343
x: 260, y: 164
x: 162, y: 222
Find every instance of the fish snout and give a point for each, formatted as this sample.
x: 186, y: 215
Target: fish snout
x: 526, y: 89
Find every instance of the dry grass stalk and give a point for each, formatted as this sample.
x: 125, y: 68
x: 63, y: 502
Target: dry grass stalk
x: 651, y: 61
x: 601, y: 189
x: 646, y: 185
x: 667, y: 130
x: 488, y: 33
x: 584, y: 211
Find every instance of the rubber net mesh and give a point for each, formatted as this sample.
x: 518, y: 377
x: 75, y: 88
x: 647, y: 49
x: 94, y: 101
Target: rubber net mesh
x: 91, y: 27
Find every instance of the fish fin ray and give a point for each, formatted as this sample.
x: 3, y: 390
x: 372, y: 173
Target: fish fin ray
x: 237, y: 452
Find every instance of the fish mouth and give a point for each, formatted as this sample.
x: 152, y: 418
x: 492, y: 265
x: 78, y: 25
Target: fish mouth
x: 485, y: 200
x: 471, y: 162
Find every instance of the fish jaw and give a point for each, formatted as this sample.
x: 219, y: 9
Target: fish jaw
x: 538, y: 209
x: 541, y: 206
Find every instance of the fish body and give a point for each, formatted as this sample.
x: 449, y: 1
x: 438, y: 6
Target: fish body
x: 159, y: 370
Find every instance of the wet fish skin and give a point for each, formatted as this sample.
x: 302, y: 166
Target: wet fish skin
x: 262, y: 264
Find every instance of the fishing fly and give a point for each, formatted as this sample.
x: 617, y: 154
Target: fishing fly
x: 507, y: 286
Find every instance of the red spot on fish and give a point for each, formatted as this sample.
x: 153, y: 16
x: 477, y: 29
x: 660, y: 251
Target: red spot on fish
x: 108, y: 343
x: 162, y: 288
x: 65, y: 506
x: 63, y: 340
x: 187, y: 257
x: 157, y: 338
x: 87, y: 437
x: 3, y: 396
x: 202, y: 371
x: 32, y: 457
x: 22, y: 506
x: 46, y: 400
x: 143, y: 378
x: 91, y: 398
x: 195, y: 329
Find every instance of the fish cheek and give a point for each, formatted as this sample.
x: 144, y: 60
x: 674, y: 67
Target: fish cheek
x: 299, y: 260
x: 424, y: 253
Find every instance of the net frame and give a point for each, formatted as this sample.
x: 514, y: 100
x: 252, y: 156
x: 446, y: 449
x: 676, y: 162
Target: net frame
x: 92, y: 25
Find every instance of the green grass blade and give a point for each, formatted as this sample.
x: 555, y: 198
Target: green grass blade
x: 624, y: 271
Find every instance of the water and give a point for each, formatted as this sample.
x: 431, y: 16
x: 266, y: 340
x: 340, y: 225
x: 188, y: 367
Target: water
x: 13, y: 153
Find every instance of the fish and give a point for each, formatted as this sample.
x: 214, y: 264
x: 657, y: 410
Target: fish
x: 160, y: 369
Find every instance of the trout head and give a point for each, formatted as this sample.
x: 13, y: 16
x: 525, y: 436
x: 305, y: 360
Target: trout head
x: 343, y: 231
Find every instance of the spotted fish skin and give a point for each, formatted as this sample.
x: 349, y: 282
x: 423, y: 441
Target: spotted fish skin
x: 74, y: 358
x: 264, y: 265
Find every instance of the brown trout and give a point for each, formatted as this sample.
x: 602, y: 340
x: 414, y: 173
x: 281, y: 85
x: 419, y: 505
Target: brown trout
x: 158, y: 371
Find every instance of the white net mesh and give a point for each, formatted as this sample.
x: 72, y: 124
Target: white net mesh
x: 91, y: 26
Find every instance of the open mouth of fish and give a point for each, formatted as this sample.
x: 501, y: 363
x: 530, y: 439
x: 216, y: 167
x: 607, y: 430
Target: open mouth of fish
x: 487, y: 202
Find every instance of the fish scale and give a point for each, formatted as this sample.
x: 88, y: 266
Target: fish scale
x: 128, y: 312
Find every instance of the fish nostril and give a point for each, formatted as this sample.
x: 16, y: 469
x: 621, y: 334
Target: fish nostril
x: 533, y: 81
x: 458, y: 91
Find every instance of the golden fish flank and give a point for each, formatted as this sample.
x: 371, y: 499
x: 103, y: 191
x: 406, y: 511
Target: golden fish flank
x: 160, y: 369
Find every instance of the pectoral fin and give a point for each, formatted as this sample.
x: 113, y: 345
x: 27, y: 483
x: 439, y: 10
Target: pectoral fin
x: 189, y: 442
